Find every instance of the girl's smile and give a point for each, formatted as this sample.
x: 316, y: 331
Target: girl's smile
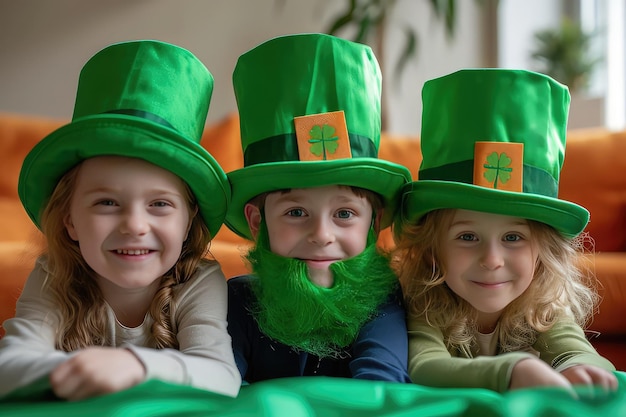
x: 490, y: 260
x: 130, y: 232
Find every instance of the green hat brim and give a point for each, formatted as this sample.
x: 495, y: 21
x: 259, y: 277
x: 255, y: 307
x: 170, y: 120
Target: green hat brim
x: 128, y: 136
x: 382, y: 177
x: 421, y: 197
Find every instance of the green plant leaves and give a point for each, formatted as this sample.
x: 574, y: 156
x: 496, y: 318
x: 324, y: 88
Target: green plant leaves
x: 564, y: 52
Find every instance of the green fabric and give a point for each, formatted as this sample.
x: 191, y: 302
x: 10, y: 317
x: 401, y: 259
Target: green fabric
x: 494, y: 105
x: 463, y: 172
x: 141, y: 99
x: 303, y: 75
x: 306, y: 74
x: 285, y: 148
x: 319, y: 396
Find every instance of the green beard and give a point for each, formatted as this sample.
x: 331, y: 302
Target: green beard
x: 321, y: 321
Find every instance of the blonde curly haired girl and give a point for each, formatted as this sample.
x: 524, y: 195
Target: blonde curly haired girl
x: 491, y: 262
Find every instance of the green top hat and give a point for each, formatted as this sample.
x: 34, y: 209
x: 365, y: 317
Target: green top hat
x: 493, y: 140
x: 140, y: 99
x: 309, y: 108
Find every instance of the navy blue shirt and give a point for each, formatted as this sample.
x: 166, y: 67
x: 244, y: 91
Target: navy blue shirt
x: 379, y: 352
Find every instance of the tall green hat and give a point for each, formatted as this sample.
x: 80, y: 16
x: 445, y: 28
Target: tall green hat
x: 493, y: 140
x: 309, y: 108
x: 140, y: 99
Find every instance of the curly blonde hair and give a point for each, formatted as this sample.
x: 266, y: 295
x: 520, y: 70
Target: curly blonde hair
x: 72, y: 282
x: 563, y: 286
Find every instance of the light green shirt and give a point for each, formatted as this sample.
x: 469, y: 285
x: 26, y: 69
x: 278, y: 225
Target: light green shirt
x: 431, y: 364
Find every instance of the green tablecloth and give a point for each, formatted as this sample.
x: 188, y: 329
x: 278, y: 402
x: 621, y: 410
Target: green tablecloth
x: 318, y: 396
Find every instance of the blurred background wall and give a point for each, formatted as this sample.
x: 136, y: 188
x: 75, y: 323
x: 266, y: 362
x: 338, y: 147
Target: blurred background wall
x: 44, y: 43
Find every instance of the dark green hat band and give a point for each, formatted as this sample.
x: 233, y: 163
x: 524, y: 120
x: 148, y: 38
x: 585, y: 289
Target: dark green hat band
x: 143, y: 115
x: 283, y: 148
x: 536, y: 181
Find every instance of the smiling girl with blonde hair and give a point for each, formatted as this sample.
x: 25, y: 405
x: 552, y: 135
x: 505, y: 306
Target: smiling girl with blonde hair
x: 489, y: 258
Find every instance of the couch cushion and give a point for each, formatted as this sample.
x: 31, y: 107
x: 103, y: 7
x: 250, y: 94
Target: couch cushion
x: 17, y: 259
x: 16, y: 225
x: 18, y: 135
x: 609, y: 269
x: 223, y: 141
x: 593, y: 176
x: 401, y: 149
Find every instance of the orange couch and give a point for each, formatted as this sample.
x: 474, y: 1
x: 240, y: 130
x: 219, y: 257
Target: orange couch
x: 593, y: 176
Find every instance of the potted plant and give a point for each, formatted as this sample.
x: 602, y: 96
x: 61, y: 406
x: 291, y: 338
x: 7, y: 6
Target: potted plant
x: 370, y: 18
x: 564, y: 54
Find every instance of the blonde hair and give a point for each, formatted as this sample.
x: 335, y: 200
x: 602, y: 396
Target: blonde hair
x: 72, y: 283
x: 561, y: 288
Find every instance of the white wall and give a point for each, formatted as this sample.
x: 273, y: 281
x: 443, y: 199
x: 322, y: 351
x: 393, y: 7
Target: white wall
x: 44, y: 43
x: 518, y: 23
x: 437, y: 56
x: 598, y: 106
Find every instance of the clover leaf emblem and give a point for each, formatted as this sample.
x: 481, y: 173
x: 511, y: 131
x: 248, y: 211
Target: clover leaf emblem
x: 497, y: 168
x: 323, y: 140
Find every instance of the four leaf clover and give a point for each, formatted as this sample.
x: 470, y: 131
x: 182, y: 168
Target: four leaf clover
x: 498, y: 168
x: 323, y: 140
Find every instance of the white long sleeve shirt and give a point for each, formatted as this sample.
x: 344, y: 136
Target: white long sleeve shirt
x: 204, y: 358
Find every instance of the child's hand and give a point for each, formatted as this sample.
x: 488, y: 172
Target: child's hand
x: 534, y: 372
x: 95, y: 371
x: 591, y: 376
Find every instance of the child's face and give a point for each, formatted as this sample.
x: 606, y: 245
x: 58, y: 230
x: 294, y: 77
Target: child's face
x: 318, y: 225
x: 130, y: 219
x: 490, y: 261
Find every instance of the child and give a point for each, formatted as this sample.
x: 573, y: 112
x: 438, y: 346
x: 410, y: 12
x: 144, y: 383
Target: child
x: 313, y: 196
x: 488, y: 255
x: 128, y: 201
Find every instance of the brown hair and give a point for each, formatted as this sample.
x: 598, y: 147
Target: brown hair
x: 375, y: 200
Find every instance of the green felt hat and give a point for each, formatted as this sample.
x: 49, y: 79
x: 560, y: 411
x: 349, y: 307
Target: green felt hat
x: 493, y: 140
x: 309, y: 108
x: 140, y: 99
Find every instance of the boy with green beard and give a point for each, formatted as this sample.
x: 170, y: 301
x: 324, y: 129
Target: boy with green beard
x: 313, y: 195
